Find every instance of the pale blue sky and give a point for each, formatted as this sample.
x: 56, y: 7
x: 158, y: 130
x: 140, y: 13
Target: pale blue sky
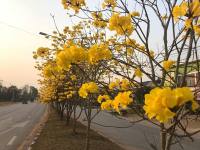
x: 16, y: 45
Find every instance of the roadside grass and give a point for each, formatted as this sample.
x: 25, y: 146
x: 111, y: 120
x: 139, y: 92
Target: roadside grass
x: 56, y: 135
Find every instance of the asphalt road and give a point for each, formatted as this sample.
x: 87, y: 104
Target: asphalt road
x: 134, y: 137
x: 16, y: 122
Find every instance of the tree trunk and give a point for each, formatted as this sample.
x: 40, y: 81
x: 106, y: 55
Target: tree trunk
x: 74, y: 123
x: 163, y: 137
x: 88, y: 136
x: 88, y: 126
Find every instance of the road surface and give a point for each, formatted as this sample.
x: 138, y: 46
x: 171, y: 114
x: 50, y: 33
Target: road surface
x: 16, y: 122
x: 135, y: 137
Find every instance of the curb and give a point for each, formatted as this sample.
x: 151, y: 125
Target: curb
x: 33, y: 135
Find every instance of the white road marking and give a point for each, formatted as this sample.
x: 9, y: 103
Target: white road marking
x: 11, y: 140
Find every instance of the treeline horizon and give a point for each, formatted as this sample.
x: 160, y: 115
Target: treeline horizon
x: 13, y: 93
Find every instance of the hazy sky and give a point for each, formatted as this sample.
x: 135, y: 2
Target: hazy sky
x: 20, y: 23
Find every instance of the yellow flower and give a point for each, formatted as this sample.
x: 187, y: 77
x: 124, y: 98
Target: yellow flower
x: 102, y: 98
x: 152, y: 54
x: 135, y: 14
x: 181, y: 10
x: 168, y: 64
x: 47, y: 71
x: 87, y: 88
x: 98, y: 20
x: 98, y: 52
x: 123, y: 99
x: 71, y: 54
x: 51, y: 69
x: 195, y: 8
x: 121, y: 24
x: 131, y: 42
x: 130, y: 51
x: 113, y: 85
x: 188, y: 23
x: 107, y: 105
x: 195, y: 105
x: 99, y: 23
x: 183, y: 95
x: 42, y: 51
x: 73, y: 4
x: 109, y: 3
x: 35, y: 56
x: 73, y: 77
x: 197, y: 29
x: 160, y: 102
x: 138, y: 73
x: 124, y: 84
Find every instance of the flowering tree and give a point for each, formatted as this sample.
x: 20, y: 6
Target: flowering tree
x: 110, y: 52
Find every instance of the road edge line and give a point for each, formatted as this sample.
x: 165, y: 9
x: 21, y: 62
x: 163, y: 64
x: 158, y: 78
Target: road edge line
x: 35, y: 131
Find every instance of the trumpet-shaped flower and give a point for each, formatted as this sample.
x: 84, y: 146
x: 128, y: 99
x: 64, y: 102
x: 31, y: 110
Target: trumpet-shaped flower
x: 168, y: 64
x: 86, y: 88
x: 160, y: 102
x: 121, y: 24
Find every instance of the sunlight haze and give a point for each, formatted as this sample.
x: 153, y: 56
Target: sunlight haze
x: 20, y: 23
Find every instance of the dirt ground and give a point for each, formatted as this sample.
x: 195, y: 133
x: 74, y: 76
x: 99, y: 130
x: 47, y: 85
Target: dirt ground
x: 6, y: 103
x: 56, y: 135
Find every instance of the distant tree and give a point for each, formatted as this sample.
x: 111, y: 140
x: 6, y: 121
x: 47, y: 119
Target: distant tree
x: 12, y: 93
x: 15, y: 94
x: 33, y: 93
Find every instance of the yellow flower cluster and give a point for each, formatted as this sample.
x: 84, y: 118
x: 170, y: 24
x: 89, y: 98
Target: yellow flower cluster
x: 107, y: 105
x: 46, y: 94
x: 86, y: 88
x: 122, y: 100
x: 160, y: 102
x: 98, y: 20
x: 35, y: 56
x: 124, y: 84
x: 184, y: 8
x: 98, y: 52
x: 102, y: 98
x: 51, y: 69
x: 135, y: 14
x: 180, y: 10
x: 197, y: 28
x: 109, y: 3
x: 73, y: 77
x: 73, y: 4
x: 121, y: 24
x: 190, y: 9
x: 168, y: 64
x: 42, y: 51
x: 69, y: 55
x: 138, y: 73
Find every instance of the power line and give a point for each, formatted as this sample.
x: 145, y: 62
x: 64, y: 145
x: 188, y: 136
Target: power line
x: 18, y: 28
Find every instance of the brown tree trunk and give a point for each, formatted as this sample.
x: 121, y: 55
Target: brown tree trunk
x: 88, y: 126
x: 74, y: 123
x: 163, y: 137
